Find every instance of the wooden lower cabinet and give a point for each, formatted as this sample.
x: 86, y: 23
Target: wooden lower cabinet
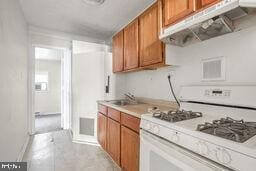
x: 102, y: 130
x: 118, y: 134
x: 130, y: 147
x: 113, y: 143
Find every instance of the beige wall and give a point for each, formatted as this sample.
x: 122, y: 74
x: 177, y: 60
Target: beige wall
x: 13, y: 84
x: 49, y: 102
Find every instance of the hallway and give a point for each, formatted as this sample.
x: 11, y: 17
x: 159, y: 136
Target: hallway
x: 55, y: 152
x: 47, y: 123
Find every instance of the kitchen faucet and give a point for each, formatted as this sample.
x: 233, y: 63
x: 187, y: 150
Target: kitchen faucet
x: 130, y: 97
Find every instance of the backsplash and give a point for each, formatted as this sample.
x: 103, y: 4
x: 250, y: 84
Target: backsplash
x: 239, y: 52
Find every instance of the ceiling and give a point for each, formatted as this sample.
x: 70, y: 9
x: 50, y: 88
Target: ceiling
x: 76, y: 17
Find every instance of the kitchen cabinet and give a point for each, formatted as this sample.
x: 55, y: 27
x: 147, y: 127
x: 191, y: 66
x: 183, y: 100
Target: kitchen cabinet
x: 131, y: 45
x: 113, y: 143
x: 151, y: 48
x: 130, y: 143
x: 102, y: 130
x: 208, y: 2
x: 175, y: 10
x: 114, y: 114
x: 130, y: 122
x: 102, y: 109
x: 118, y: 134
x: 142, y: 48
x: 118, y: 52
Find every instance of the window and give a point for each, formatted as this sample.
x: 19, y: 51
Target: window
x: 41, y: 81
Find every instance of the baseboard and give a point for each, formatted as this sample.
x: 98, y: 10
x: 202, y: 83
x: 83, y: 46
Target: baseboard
x: 45, y: 114
x: 23, y: 150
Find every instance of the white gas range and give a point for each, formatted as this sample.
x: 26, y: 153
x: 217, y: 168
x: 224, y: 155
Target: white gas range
x: 183, y: 145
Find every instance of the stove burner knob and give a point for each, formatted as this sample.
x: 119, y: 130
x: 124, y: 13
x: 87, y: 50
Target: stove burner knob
x: 223, y: 156
x: 156, y: 129
x: 175, y: 137
x: 148, y: 126
x: 202, y: 148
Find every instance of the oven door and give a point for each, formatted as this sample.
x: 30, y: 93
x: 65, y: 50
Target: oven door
x: 159, y: 154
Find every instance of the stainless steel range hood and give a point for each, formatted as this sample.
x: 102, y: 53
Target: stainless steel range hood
x: 225, y: 17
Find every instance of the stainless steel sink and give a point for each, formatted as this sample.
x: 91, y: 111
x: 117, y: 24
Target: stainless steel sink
x: 125, y: 102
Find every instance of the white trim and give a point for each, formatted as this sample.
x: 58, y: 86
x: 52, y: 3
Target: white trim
x: 66, y: 89
x: 85, y: 142
x: 31, y: 88
x: 23, y: 149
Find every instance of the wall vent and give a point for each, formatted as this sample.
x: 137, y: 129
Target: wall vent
x: 213, y: 69
x: 86, y: 126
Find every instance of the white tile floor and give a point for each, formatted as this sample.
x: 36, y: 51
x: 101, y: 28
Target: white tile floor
x: 47, y: 123
x: 55, y: 152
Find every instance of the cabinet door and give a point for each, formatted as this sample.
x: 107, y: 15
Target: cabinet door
x: 131, y: 46
x: 151, y: 48
x: 208, y: 2
x: 177, y: 9
x: 118, y: 52
x: 113, y: 147
x: 130, y: 146
x: 102, y: 130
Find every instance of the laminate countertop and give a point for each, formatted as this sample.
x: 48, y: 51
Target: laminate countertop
x: 139, y: 109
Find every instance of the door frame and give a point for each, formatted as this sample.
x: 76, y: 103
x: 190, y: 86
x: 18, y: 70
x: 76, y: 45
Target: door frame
x: 66, y: 120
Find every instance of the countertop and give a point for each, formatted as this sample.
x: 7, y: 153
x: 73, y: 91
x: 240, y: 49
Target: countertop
x: 140, y: 109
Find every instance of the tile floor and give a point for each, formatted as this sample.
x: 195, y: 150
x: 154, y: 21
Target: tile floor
x: 55, y: 151
x: 47, y: 123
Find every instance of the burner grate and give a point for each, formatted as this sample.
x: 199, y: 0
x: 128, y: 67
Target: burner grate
x: 177, y: 115
x: 235, y: 130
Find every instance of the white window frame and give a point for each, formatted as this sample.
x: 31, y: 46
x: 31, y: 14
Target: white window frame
x: 42, y: 73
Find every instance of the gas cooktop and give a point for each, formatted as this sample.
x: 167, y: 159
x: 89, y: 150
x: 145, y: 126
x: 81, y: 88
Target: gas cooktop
x: 176, y: 115
x: 235, y: 130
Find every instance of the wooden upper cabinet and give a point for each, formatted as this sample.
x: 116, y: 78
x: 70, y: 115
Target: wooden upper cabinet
x: 118, y: 52
x: 113, y: 140
x: 131, y: 45
x: 130, y: 147
x: 151, y: 48
x: 102, y: 130
x: 208, y: 2
x: 175, y: 10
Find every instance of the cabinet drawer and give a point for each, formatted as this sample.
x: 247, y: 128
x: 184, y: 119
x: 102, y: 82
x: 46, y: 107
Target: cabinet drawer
x: 102, y: 109
x: 114, y: 114
x: 130, y: 122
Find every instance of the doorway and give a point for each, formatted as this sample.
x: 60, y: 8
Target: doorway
x: 47, y: 90
x: 50, y: 104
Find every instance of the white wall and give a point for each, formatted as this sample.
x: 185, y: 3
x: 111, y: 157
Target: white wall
x: 40, y: 36
x: 49, y: 102
x: 87, y: 88
x: 117, y: 81
x: 13, y: 75
x: 238, y: 48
